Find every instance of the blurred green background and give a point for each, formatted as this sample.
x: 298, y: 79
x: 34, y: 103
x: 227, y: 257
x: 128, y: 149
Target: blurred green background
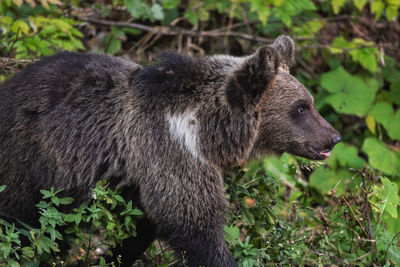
x: 284, y: 211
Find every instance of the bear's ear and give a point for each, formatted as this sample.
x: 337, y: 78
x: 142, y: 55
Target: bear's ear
x: 286, y: 49
x: 254, y: 76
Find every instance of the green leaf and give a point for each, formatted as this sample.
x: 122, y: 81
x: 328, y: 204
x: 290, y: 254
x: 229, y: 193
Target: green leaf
x: 377, y: 7
x: 383, y: 113
x: 381, y: 157
x: 137, y: 8
x: 360, y: 4
x: 336, y: 5
x: 304, y: 5
x: 20, y: 26
x: 66, y: 200
x: 170, y: 4
x: 45, y: 193
x: 157, y: 12
x: 12, y: 263
x: 78, y: 218
x: 137, y: 212
x: 119, y: 198
x: 113, y: 45
x: 347, y: 155
x: 370, y: 122
x: 55, y: 200
x: 28, y: 252
x: 325, y: 179
x: 391, y: 12
x: 348, y: 94
x: 339, y: 43
x: 131, y: 31
x: 366, y: 57
x: 394, y: 126
x: 69, y: 217
x: 2, y: 188
x: 192, y: 17
x: 102, y: 262
x: 231, y: 233
x: 262, y: 10
x: 389, y: 197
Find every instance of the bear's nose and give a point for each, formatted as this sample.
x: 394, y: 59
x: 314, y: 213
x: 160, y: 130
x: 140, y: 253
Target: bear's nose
x: 336, y: 139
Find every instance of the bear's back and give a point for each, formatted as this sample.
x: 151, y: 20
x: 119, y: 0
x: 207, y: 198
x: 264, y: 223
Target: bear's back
x: 52, y: 116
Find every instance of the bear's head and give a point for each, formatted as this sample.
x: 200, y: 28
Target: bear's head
x: 289, y: 120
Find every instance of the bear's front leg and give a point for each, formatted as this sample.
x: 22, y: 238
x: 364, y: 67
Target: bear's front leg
x: 207, y: 248
x: 189, y: 212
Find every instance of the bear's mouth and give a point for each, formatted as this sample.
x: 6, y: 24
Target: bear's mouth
x: 323, y: 154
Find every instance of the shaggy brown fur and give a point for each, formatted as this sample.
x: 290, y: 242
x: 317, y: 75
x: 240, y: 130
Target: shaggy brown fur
x: 163, y: 133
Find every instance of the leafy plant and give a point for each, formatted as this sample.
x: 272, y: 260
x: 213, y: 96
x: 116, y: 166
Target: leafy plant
x: 108, y: 216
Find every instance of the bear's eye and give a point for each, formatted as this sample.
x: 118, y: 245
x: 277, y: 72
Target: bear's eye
x: 301, y: 109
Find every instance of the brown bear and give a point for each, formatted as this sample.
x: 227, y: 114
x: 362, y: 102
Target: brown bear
x: 163, y: 133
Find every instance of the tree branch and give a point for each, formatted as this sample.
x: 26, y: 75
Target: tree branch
x: 169, y: 31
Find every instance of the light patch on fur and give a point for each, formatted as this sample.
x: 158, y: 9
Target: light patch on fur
x: 183, y: 128
x: 284, y: 68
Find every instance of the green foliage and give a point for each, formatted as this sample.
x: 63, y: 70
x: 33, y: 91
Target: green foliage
x: 108, y: 216
x: 349, y: 94
x: 29, y: 32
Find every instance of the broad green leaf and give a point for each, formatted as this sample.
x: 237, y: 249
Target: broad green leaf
x: 309, y: 28
x: 157, y: 12
x: 325, y: 180
x: 203, y: 14
x: 315, y: 25
x: 137, y: 8
x: 348, y: 94
x: 377, y: 7
x: 360, y: 4
x: 192, y: 17
x: 278, y: 167
x: 169, y: 4
x: 394, y: 126
x: 391, y: 12
x: 336, y: 5
x: 366, y: 57
x: 262, y: 10
x: 347, y: 155
x: 382, y: 113
x: 381, y: 157
x: 113, y: 45
x: 304, y: 4
x: 232, y: 232
x: 20, y: 26
x: 389, y: 197
x: 339, y: 43
x: 12, y: 263
x: 69, y: 217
